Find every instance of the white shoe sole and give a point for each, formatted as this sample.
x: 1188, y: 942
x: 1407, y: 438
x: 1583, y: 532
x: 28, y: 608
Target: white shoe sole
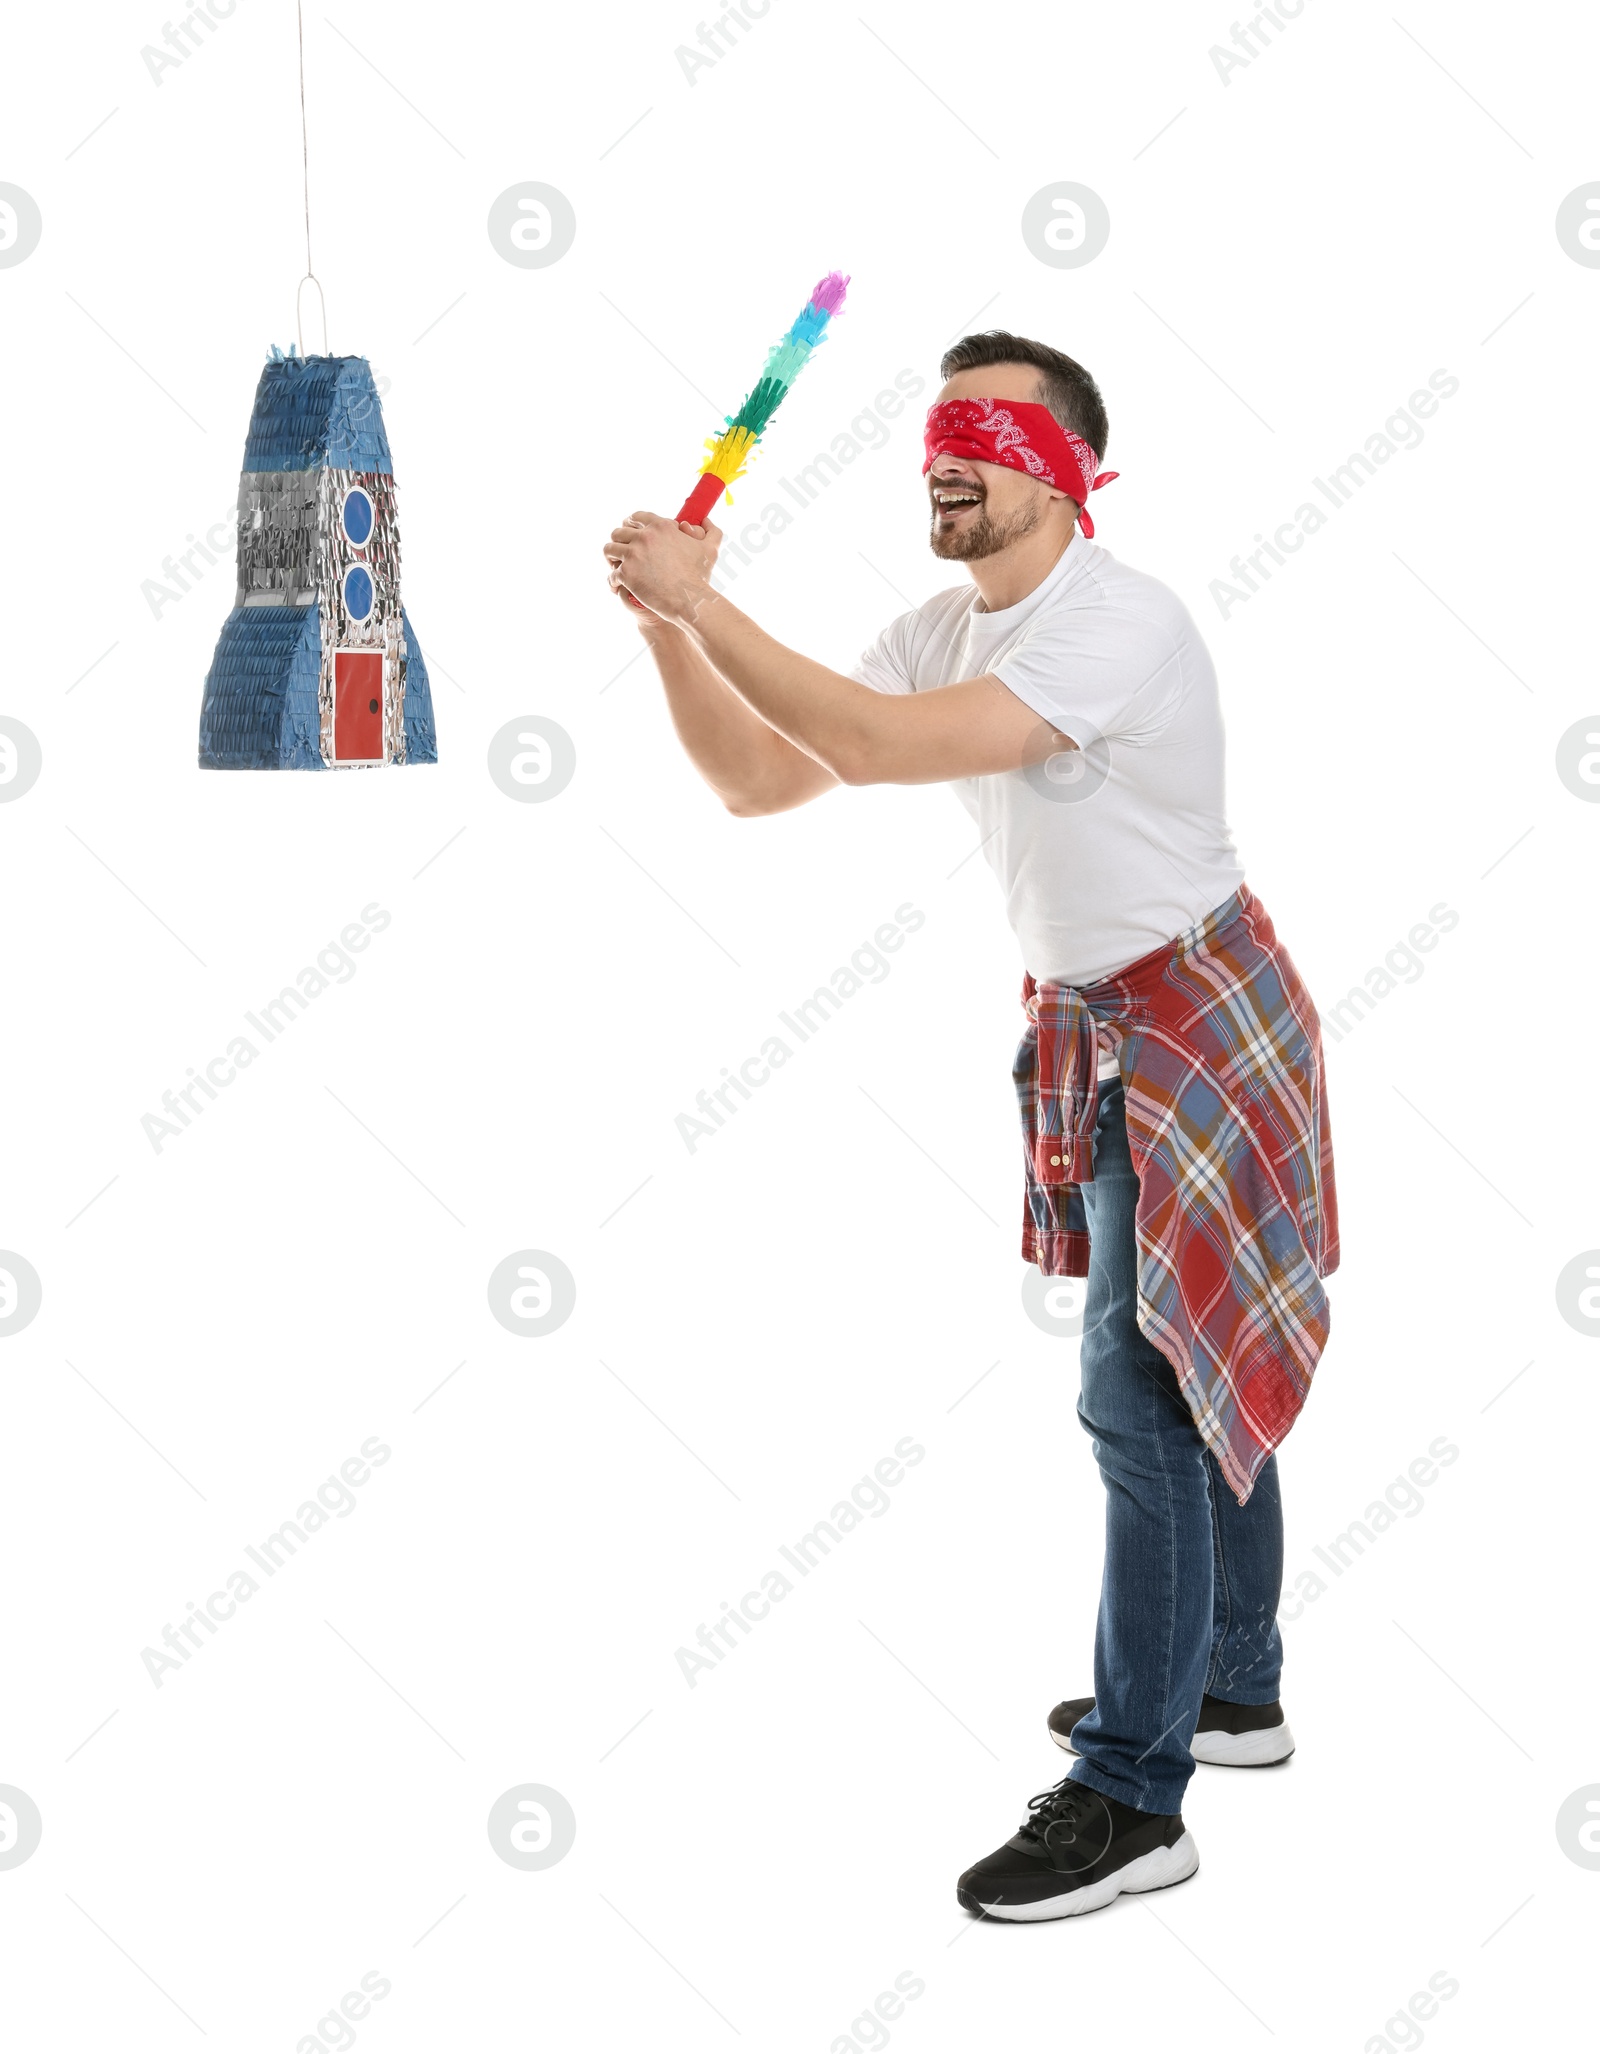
x: 1257, y: 1750
x: 1156, y: 1871
x: 1244, y: 1750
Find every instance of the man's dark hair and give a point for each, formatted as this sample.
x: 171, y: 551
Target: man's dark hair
x: 1065, y: 387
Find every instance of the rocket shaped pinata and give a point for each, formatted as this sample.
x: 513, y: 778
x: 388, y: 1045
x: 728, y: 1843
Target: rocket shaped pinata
x: 317, y: 667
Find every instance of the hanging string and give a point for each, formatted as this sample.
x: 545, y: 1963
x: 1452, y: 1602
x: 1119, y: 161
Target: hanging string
x: 311, y: 277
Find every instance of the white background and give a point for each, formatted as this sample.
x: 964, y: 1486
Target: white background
x: 759, y: 1321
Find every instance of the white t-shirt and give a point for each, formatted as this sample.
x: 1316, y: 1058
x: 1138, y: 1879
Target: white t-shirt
x: 1110, y: 850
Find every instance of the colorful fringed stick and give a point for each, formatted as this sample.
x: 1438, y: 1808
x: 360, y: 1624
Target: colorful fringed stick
x: 729, y: 453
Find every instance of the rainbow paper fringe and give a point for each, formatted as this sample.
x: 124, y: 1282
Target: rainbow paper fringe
x: 729, y: 453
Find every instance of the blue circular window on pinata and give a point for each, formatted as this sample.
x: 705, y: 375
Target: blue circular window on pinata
x: 358, y: 591
x: 359, y: 516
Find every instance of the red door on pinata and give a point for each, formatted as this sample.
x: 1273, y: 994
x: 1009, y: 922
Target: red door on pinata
x: 358, y: 705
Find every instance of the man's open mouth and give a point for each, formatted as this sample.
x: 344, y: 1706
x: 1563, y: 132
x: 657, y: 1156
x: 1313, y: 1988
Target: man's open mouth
x: 950, y: 502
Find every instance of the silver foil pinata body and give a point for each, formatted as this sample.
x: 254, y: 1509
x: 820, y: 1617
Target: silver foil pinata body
x: 317, y: 667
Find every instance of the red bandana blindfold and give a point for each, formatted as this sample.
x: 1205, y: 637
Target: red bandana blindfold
x: 1020, y: 436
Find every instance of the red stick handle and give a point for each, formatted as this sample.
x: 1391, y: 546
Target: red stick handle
x: 708, y: 489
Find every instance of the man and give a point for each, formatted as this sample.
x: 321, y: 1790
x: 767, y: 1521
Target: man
x: 1170, y: 1079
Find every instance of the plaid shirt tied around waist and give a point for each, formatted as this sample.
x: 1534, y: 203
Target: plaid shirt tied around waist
x: 1220, y: 1052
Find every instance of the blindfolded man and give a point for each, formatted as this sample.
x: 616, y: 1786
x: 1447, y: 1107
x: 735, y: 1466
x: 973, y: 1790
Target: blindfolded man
x: 1176, y: 1143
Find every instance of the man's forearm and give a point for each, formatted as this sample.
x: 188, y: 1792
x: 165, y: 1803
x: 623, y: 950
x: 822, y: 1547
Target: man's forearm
x: 829, y: 717
x: 821, y: 727
x: 749, y: 766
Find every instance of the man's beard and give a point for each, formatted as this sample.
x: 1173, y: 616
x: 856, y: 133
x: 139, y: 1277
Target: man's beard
x: 983, y: 535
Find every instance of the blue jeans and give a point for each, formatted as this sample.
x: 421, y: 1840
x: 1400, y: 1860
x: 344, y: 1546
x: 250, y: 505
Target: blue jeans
x: 1189, y: 1594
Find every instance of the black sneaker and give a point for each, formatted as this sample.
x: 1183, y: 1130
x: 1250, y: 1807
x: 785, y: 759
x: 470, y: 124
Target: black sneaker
x: 1232, y: 1736
x: 1075, y: 1852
